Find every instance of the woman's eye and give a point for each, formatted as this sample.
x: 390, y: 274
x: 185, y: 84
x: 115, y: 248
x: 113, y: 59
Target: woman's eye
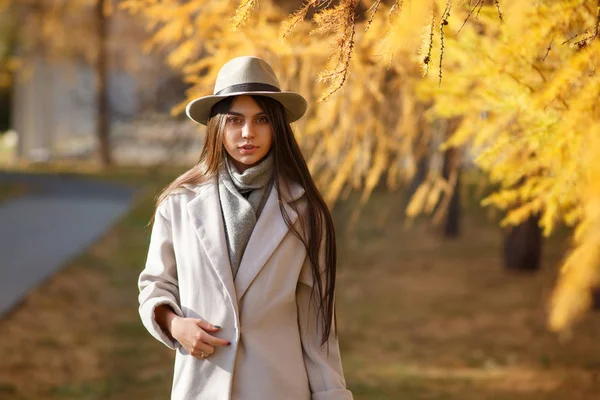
x: 262, y: 120
x: 233, y: 120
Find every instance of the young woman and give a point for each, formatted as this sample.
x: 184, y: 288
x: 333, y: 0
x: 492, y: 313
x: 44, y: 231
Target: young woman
x: 240, y: 273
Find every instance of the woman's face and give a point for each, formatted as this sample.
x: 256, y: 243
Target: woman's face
x: 248, y: 134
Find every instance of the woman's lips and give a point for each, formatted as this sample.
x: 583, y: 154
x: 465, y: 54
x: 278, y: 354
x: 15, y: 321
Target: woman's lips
x: 248, y: 149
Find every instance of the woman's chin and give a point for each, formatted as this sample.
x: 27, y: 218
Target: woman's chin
x: 245, y: 162
x: 250, y: 161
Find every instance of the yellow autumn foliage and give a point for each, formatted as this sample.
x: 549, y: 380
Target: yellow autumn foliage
x: 520, y: 76
x: 46, y: 28
x: 55, y: 30
x: 364, y: 128
x: 537, y: 89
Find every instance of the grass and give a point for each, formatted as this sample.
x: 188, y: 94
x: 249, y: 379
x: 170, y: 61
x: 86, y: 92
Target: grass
x: 420, y: 317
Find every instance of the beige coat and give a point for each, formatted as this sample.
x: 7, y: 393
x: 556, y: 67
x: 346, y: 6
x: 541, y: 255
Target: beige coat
x: 275, y: 352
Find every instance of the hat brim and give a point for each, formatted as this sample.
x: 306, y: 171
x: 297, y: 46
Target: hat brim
x: 199, y: 109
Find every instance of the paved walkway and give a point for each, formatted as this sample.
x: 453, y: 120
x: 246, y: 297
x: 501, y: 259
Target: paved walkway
x: 42, y: 230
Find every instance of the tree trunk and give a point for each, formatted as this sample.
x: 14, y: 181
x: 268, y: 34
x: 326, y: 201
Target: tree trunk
x: 419, y: 177
x: 596, y: 299
x: 452, y: 221
x: 102, y: 114
x: 523, y: 246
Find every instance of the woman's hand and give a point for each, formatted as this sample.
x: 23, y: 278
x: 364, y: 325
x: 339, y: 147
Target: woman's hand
x: 193, y: 335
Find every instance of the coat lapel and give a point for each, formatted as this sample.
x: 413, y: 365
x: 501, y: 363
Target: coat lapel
x: 205, y: 213
x: 269, y: 231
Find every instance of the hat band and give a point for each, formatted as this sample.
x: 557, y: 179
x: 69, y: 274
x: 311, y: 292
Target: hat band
x: 248, y: 87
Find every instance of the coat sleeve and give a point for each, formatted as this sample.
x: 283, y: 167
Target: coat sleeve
x: 323, y: 363
x: 157, y: 283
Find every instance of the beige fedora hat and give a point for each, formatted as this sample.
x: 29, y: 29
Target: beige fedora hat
x: 246, y: 76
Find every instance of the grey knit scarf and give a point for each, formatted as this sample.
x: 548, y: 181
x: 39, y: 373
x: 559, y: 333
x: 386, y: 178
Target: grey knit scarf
x: 242, y: 198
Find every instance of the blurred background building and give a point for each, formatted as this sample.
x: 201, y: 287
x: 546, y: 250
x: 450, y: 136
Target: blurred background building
x: 53, y: 103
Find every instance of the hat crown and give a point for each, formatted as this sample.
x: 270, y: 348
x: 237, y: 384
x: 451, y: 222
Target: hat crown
x: 244, y: 70
x: 247, y: 75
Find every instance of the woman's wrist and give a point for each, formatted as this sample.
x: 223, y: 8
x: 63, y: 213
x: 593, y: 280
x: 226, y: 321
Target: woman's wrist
x: 172, y: 320
x: 165, y: 316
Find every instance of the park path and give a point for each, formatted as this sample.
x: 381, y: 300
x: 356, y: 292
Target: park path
x: 58, y: 218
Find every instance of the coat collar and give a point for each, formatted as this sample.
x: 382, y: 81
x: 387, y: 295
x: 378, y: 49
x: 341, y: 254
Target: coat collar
x: 204, y: 211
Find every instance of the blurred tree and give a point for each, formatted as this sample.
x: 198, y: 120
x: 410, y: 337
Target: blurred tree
x: 523, y: 245
x: 535, y: 79
x: 59, y: 30
x: 523, y: 242
x: 451, y: 173
x: 102, y: 12
x: 371, y: 123
x: 529, y: 66
x: 7, y: 44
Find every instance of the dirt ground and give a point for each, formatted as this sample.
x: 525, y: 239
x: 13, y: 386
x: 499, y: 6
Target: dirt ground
x: 420, y: 317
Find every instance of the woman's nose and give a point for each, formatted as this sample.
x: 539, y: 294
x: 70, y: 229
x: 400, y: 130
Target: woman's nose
x: 248, y: 130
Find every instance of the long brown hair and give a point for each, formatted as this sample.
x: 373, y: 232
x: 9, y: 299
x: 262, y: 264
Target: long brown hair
x: 289, y: 164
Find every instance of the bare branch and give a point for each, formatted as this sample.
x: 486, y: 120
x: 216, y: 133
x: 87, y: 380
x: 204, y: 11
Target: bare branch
x: 242, y: 13
x: 539, y: 71
x: 575, y: 36
x: 374, y: 7
x: 497, y: 2
x: 520, y: 82
x: 427, y: 59
x: 345, y: 53
x: 443, y: 22
x: 468, y: 16
x: 597, y: 19
x: 325, y: 3
x: 548, y: 50
x: 396, y: 8
x: 480, y: 7
x: 288, y: 26
x: 588, y: 36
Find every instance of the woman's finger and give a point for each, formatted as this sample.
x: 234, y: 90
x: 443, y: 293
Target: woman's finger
x: 202, y: 350
x: 215, y: 341
x: 207, y: 326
